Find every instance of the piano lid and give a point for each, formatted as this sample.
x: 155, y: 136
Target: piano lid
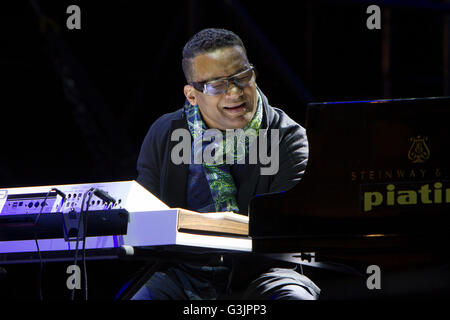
x: 375, y: 168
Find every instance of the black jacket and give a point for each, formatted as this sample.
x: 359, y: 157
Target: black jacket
x: 168, y: 181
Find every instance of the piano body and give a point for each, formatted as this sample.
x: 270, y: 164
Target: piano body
x: 376, y: 190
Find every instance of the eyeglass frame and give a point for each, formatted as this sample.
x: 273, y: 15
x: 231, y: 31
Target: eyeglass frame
x: 201, y: 85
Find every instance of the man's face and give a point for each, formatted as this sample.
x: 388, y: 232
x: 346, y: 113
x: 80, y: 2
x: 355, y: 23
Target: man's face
x: 232, y: 109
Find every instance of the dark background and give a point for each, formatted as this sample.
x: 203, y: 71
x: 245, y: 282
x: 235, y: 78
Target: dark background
x: 125, y: 66
x: 76, y: 104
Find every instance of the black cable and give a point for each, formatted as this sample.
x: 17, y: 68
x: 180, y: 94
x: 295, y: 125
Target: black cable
x: 85, y: 296
x: 108, y: 199
x: 62, y: 195
x: 41, y: 264
x: 83, y: 218
x: 36, y: 221
x: 42, y: 208
x: 78, y: 235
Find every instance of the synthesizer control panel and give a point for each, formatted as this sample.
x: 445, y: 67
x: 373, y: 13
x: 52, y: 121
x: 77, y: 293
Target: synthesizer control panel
x: 120, y: 215
x: 129, y: 195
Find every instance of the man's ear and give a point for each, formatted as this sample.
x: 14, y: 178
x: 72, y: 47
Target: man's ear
x: 189, y: 92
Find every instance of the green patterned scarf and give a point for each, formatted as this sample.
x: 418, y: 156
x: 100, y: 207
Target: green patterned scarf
x: 217, y: 171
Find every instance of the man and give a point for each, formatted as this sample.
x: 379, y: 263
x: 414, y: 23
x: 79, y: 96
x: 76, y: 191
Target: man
x: 222, y: 96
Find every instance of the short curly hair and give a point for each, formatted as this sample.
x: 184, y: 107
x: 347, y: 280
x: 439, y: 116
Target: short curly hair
x: 207, y: 40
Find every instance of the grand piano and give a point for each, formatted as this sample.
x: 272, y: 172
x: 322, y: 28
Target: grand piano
x: 376, y: 191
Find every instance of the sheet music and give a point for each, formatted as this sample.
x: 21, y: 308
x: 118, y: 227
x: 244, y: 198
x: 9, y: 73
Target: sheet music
x: 227, y: 215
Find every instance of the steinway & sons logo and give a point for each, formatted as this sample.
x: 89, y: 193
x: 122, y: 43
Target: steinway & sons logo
x: 419, y: 152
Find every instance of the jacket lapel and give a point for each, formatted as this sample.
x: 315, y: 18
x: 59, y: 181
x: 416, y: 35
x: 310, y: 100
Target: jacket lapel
x: 175, y: 182
x: 256, y: 181
x: 247, y: 189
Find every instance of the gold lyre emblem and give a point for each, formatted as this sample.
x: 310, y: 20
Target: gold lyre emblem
x: 418, y: 152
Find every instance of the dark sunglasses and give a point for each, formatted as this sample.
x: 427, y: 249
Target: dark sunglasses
x: 220, y: 86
